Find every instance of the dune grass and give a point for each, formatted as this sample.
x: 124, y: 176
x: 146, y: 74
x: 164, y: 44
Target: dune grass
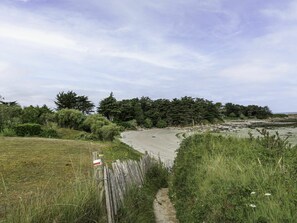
x: 52, y: 178
x: 224, y: 179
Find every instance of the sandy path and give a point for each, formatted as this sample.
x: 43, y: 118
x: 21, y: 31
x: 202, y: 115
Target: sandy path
x: 163, y: 208
x: 158, y: 142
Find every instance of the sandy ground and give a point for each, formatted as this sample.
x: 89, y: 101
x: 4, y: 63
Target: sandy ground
x: 158, y: 142
x: 163, y: 208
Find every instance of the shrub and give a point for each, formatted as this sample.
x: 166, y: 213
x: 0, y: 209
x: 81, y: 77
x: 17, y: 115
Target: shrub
x: 70, y: 118
x: 49, y: 133
x: 161, y: 124
x: 130, y: 125
x: 38, y: 115
x: 94, y: 122
x: 28, y: 129
x: 8, y: 132
x: 148, y: 123
x: 108, y: 132
x: 9, y: 115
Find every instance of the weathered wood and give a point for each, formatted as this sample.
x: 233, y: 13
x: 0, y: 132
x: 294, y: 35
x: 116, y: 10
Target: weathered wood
x: 107, y: 196
x: 120, y: 179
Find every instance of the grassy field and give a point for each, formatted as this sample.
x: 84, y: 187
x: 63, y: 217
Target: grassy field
x: 41, y: 172
x: 225, y: 179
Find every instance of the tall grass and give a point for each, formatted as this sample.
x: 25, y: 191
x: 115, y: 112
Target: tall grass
x: 80, y: 202
x: 138, y: 204
x: 218, y: 179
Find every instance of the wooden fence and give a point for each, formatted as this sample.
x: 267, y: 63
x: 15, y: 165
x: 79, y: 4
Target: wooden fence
x: 119, y: 179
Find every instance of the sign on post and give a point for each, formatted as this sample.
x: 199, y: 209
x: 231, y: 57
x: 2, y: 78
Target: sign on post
x: 97, y: 162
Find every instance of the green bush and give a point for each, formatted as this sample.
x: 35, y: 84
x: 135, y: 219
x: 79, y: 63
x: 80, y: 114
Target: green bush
x: 129, y: 125
x: 161, y: 124
x: 9, y: 116
x: 94, y: 122
x: 49, y: 133
x: 38, y: 115
x: 28, y: 129
x: 70, y: 118
x: 8, y: 132
x: 148, y: 123
x: 108, y: 132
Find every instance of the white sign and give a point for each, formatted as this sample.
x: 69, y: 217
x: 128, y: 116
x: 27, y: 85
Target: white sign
x: 97, y: 162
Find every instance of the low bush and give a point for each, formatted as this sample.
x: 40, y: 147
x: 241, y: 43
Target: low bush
x: 161, y: 124
x: 148, y: 123
x: 94, y: 122
x: 108, y: 132
x: 9, y: 132
x: 129, y: 125
x: 70, y: 118
x: 28, y: 129
x: 49, y: 133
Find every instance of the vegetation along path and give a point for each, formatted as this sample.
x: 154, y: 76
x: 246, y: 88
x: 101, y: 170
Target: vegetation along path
x: 161, y: 143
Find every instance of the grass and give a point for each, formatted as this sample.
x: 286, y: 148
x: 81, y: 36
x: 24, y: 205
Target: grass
x: 225, y: 179
x: 51, y: 177
x: 138, y: 205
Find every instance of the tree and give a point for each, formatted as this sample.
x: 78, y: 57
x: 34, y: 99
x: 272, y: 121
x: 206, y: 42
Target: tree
x: 71, y: 100
x: 38, y: 115
x: 108, y: 107
x: 84, y: 105
x: 66, y: 100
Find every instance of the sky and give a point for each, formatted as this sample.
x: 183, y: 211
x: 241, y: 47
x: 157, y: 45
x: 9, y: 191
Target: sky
x: 243, y: 52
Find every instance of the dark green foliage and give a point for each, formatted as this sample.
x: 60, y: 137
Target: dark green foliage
x: 240, y: 111
x: 109, y: 107
x: 9, y: 115
x: 28, y: 129
x: 8, y: 132
x: 71, y: 100
x: 148, y: 123
x: 49, y: 133
x: 161, y: 124
x: 108, y: 132
x: 138, y: 204
x: 38, y: 115
x: 70, y: 118
x: 100, y: 127
x: 129, y: 125
x: 94, y: 122
x: 280, y: 115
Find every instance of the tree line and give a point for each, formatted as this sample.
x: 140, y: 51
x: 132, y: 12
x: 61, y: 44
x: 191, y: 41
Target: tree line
x: 133, y: 112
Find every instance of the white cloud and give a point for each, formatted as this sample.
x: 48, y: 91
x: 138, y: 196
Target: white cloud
x: 37, y: 36
x: 256, y: 72
x: 288, y: 13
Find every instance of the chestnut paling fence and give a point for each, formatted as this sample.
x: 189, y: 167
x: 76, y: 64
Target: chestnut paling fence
x: 117, y: 180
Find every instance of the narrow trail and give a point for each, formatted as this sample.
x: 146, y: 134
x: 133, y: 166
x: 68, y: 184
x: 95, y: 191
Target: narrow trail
x: 163, y: 208
x: 160, y: 143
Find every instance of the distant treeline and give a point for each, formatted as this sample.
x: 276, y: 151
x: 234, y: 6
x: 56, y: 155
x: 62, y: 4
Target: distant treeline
x: 133, y: 112
x: 177, y: 112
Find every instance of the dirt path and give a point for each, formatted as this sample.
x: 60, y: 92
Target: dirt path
x: 158, y: 142
x: 163, y: 208
x: 161, y: 143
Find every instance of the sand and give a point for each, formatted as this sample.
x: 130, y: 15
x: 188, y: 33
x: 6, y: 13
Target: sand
x: 161, y: 143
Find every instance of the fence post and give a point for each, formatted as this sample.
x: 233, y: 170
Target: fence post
x: 107, y: 195
x: 98, y: 168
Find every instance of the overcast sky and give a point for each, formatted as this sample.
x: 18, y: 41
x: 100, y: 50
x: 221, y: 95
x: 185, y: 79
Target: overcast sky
x: 223, y: 50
